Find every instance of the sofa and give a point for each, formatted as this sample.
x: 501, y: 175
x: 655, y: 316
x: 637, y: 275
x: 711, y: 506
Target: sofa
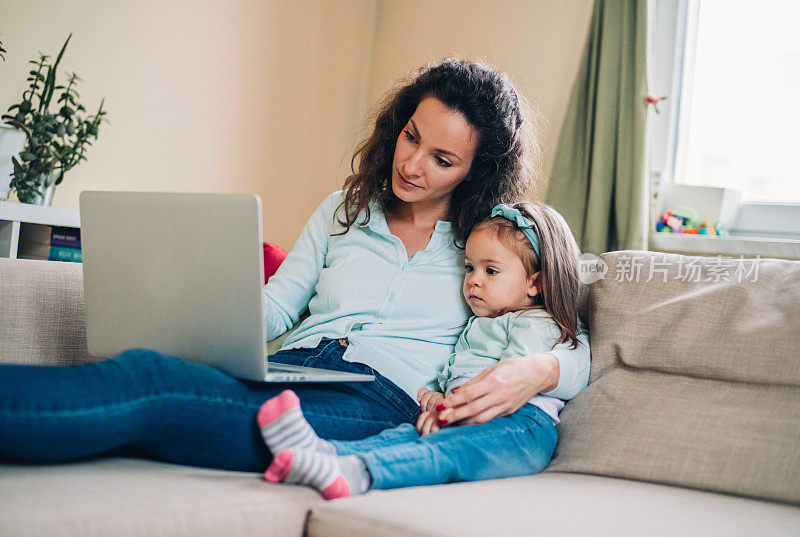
x: 690, y: 426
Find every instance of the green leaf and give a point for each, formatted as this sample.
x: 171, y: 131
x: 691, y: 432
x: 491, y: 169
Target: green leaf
x: 47, y: 92
x: 60, y: 54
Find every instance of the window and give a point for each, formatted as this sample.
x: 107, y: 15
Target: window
x: 731, y: 73
x: 738, y: 123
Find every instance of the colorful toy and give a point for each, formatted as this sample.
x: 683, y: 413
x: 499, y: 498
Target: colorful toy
x: 674, y: 222
x: 685, y: 220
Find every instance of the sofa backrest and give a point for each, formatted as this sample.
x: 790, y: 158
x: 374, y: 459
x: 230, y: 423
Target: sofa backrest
x: 695, y: 376
x: 42, y: 313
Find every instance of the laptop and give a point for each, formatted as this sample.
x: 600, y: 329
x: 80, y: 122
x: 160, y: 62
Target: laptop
x: 181, y: 274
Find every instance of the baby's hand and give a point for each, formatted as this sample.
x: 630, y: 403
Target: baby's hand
x: 428, y: 399
x: 427, y: 422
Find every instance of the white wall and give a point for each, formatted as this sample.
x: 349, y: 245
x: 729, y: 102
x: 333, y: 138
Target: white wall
x: 538, y: 43
x: 207, y: 95
x: 269, y: 96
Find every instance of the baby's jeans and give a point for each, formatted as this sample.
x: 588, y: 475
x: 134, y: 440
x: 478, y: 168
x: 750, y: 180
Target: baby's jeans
x: 519, y: 444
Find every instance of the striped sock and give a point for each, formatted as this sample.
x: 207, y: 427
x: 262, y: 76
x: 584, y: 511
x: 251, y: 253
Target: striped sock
x: 283, y: 426
x: 334, y: 477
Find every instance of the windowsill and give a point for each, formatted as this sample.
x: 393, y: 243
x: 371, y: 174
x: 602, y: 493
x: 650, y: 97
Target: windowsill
x: 728, y: 246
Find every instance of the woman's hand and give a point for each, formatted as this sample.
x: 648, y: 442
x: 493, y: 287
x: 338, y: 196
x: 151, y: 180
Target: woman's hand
x: 428, y: 399
x: 500, y: 390
x: 427, y: 423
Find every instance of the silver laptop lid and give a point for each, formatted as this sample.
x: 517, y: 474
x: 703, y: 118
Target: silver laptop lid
x: 177, y: 273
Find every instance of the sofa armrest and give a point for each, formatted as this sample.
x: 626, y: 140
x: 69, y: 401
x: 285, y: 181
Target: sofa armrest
x: 42, y: 313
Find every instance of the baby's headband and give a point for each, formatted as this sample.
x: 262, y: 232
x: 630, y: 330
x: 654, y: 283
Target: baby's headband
x: 524, y: 225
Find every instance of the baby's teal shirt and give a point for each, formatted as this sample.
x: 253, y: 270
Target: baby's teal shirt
x: 488, y: 340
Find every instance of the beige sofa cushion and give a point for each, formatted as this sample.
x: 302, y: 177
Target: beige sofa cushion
x: 693, y: 383
x: 129, y: 497
x: 683, y: 321
x: 549, y: 505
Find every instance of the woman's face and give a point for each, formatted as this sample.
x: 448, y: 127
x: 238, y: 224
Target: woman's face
x: 433, y: 154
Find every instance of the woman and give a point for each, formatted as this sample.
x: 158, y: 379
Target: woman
x: 378, y: 266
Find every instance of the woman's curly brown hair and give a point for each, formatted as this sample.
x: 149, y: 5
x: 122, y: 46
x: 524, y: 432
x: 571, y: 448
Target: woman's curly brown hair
x: 505, y: 167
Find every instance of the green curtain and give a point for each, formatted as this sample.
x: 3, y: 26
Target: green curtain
x: 598, y: 181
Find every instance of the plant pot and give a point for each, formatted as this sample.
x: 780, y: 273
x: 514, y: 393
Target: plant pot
x: 47, y: 187
x: 12, y: 141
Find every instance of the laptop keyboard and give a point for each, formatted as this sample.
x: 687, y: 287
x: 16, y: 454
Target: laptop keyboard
x: 285, y: 368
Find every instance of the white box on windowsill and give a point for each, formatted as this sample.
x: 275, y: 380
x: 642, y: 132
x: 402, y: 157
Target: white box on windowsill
x: 713, y: 203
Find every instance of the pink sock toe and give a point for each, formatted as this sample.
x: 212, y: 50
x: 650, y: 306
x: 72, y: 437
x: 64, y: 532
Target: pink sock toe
x: 275, y: 407
x: 280, y: 467
x: 337, y: 489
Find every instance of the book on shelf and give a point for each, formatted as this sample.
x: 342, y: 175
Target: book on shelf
x: 64, y: 253
x: 54, y: 243
x: 65, y: 236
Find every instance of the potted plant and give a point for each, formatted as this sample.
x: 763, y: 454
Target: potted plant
x: 55, y: 141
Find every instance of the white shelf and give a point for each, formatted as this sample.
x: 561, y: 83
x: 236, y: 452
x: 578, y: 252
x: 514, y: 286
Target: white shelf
x: 37, y: 214
x: 25, y: 228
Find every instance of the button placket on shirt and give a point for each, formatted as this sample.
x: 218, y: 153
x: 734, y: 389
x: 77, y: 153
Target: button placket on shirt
x: 397, y: 279
x: 403, y: 261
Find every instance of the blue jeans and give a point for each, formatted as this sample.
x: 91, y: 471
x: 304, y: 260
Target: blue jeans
x: 519, y: 444
x: 175, y: 411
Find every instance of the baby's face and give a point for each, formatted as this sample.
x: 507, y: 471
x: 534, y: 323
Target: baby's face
x: 495, y: 281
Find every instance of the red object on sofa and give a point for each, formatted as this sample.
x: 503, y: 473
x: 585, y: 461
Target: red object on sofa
x: 273, y: 257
